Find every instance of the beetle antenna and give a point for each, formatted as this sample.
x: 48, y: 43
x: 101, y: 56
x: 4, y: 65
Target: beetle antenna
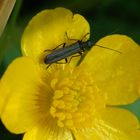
x: 108, y: 48
x: 93, y: 44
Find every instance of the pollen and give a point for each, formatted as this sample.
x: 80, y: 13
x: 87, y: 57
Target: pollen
x: 75, y: 96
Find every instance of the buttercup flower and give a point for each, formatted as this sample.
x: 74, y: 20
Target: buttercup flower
x: 65, y: 101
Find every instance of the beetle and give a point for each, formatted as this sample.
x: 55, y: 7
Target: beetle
x: 63, y: 53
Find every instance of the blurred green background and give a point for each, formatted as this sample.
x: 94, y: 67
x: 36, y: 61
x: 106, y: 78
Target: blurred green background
x: 104, y: 16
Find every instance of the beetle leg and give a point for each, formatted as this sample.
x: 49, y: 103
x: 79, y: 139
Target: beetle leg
x: 72, y: 39
x: 66, y: 60
x: 48, y: 66
x: 84, y: 36
x: 80, y: 54
x: 61, y: 62
x: 56, y: 47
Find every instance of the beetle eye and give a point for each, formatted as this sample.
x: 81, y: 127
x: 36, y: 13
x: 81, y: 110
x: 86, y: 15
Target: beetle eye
x: 45, y: 60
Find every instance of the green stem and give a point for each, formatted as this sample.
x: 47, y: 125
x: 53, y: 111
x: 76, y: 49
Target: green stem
x: 15, y: 13
x: 7, y: 34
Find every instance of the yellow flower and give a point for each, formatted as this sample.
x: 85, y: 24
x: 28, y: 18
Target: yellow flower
x: 48, y: 29
x: 67, y: 102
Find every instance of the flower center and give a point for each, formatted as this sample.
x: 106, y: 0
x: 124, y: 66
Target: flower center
x: 76, y: 99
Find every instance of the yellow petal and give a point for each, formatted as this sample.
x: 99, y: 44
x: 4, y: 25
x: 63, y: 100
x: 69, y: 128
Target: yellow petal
x: 136, y: 134
x: 139, y: 87
x: 43, y: 133
x: 116, y: 74
x: 48, y: 29
x: 120, y: 119
x: 18, y: 92
x: 10, y: 79
x: 114, y: 124
x: 86, y: 134
x: 118, y: 124
x: 102, y: 131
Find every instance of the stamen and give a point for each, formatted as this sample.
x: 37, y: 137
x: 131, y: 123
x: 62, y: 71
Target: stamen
x: 74, y: 98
